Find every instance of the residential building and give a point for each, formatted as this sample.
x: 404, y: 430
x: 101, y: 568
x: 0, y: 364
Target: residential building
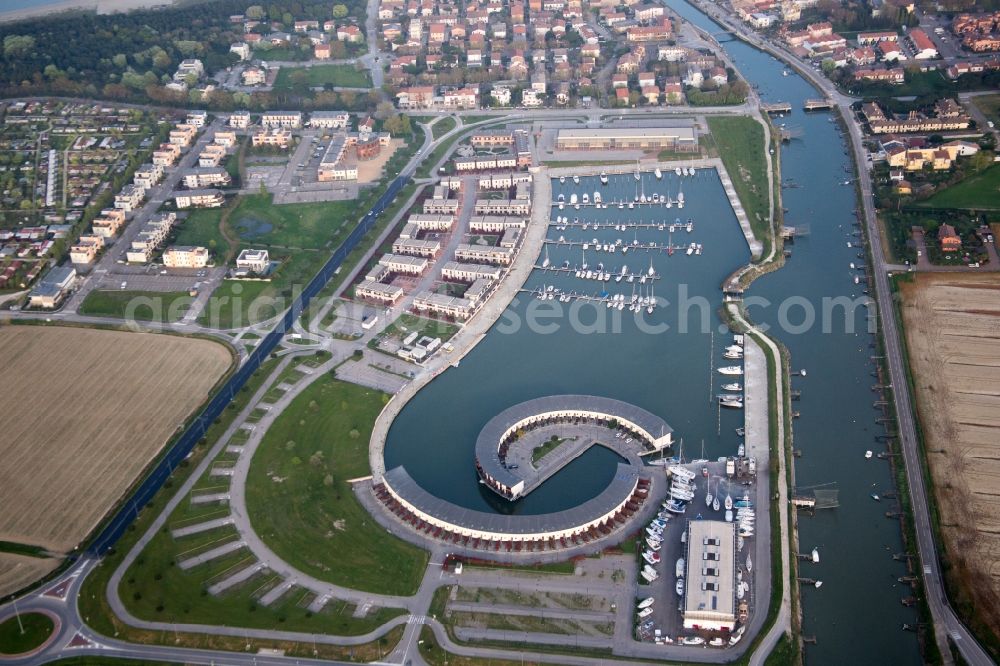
x: 148, y: 175
x: 210, y: 198
x: 239, y: 119
x: 329, y: 119
x: 202, y: 177
x: 276, y: 137
x: 285, y: 119
x: 253, y: 261
x: 185, y: 256
x: 948, y: 238
x: 253, y: 76
x: 129, y: 198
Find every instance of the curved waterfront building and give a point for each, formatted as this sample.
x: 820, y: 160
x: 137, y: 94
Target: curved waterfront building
x: 503, y: 429
x: 636, y: 430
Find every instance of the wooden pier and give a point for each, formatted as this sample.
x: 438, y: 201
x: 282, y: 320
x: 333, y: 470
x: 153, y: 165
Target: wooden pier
x: 625, y: 226
x: 817, y: 104
x: 614, y: 275
x: 777, y: 107
x: 614, y: 248
x: 804, y: 502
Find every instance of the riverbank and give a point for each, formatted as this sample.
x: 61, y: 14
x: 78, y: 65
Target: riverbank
x: 99, y: 6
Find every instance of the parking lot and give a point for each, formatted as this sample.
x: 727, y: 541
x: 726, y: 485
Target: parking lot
x: 666, y: 616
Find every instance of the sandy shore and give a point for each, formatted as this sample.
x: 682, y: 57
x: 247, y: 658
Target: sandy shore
x: 101, y: 6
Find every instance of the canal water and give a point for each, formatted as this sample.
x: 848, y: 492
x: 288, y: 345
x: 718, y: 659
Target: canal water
x: 856, y: 616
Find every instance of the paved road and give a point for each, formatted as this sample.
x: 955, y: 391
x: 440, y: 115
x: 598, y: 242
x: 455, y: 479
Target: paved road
x: 946, y: 622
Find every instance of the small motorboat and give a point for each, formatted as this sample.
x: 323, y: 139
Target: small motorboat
x: 693, y: 640
x: 868, y: 455
x: 815, y: 555
x: 647, y: 602
x: 679, y: 568
x: 679, y: 587
x: 717, y: 642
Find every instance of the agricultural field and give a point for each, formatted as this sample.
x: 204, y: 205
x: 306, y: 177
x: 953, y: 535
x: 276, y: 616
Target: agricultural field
x: 952, y: 325
x: 17, y: 571
x: 95, y: 408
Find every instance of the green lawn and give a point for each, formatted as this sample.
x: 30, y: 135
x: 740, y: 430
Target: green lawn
x: 166, y: 307
x: 37, y: 628
x: 300, y: 236
x: 312, y: 518
x: 442, y: 127
x: 979, y: 192
x: 408, y: 323
x: 545, y: 449
x: 258, y: 222
x: 740, y: 142
x: 201, y: 227
x: 990, y: 106
x: 321, y: 75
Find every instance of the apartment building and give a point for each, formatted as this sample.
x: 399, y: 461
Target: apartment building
x: 150, y: 238
x: 379, y: 292
x: 416, y: 248
x: 166, y: 155
x: 466, y: 272
x: 148, y: 175
x: 185, y: 256
x: 203, y: 177
x: 182, y: 135
x: 286, y: 119
x: 484, y: 254
x: 129, y: 198
x: 275, y: 137
x: 239, y: 119
x: 212, y: 155
x: 329, y: 119
x: 199, y: 199
x: 110, y: 221
x: 404, y: 264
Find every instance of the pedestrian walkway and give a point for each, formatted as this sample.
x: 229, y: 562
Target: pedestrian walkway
x: 235, y: 579
x: 201, y: 527
x: 210, y: 555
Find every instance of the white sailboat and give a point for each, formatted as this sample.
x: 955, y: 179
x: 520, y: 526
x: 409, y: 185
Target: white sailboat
x: 729, y: 502
x: 749, y: 563
x: 545, y: 262
x: 658, y: 173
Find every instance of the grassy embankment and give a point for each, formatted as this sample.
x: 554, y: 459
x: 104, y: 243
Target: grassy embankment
x: 739, y: 142
x: 442, y: 127
x: 166, y: 307
x: 311, y: 518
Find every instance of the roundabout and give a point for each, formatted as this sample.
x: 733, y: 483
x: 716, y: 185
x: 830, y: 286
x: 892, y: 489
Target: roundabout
x: 543, y: 436
x: 25, y: 634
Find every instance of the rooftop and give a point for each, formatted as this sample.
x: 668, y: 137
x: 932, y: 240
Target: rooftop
x: 611, y: 497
